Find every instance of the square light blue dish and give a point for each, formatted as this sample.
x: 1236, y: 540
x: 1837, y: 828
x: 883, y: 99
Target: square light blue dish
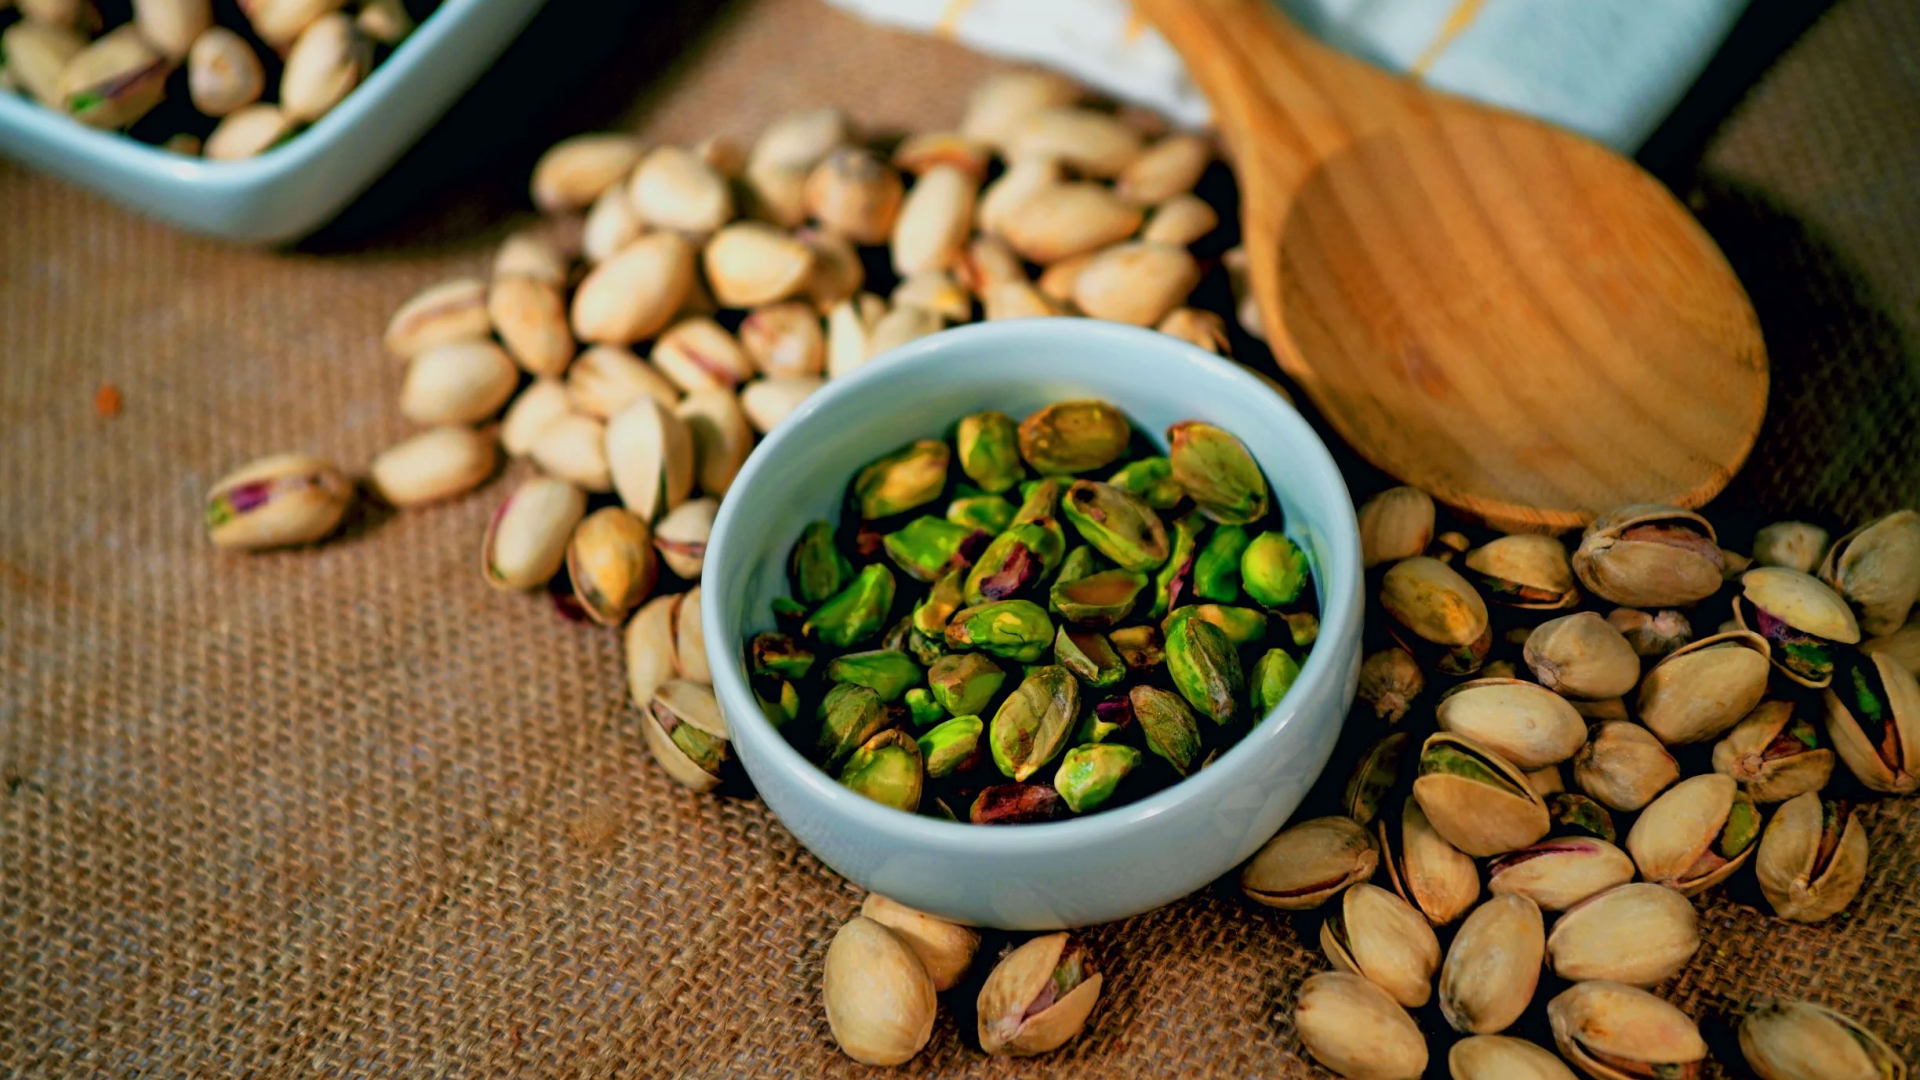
x: 300, y: 185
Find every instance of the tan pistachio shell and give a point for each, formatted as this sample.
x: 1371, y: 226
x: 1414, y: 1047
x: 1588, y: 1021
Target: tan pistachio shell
x: 1802, y: 601
x: 574, y: 448
x: 306, y: 498
x: 945, y: 949
x: 934, y: 221
x: 1478, y: 818
x: 1526, y: 571
x: 650, y: 458
x: 612, y: 564
x: 438, y: 463
x: 850, y: 326
x: 1493, y: 966
x: 450, y: 311
x: 533, y: 252
x: 1742, y: 755
x: 327, y: 61
x: 1429, y: 873
x: 651, y: 655
x: 576, y: 171
x: 1678, y: 828
x: 722, y: 437
x: 605, y: 379
x: 543, y: 401
x: 880, y: 1002
x: 901, y: 325
x: 1170, y: 167
x: 1427, y: 597
x: 1561, y: 872
x: 800, y: 139
x: 1789, y: 850
x: 672, y: 188
x: 1380, y: 936
x: 1548, y: 781
x: 785, y: 340
x: 1058, y: 221
x: 1595, y: 1022
x: 462, y: 382
x: 935, y: 291
x: 1795, y: 545
x: 689, y: 642
x: 1091, y: 143
x: 1017, y: 300
x: 631, y: 295
x: 837, y: 270
x: 1356, y: 1029
x: 36, y: 53
x: 1889, y: 765
x: 1306, y: 864
x: 1395, y: 524
x: 1501, y: 1057
x: 997, y: 106
x: 610, y: 225
x: 1525, y: 723
x: 531, y: 318
x: 1652, y: 635
x: 1582, y: 656
x: 1057, y: 280
x: 923, y: 150
x: 526, y: 541
x: 1648, y: 572
x: 749, y: 263
x: 1798, y: 1040
x: 1136, y: 282
x: 1623, y: 765
x: 855, y: 194
x: 1701, y: 690
x: 767, y: 402
x: 1202, y: 329
x: 1022, y: 180
x: 1877, y: 568
x: 1637, y: 933
x: 682, y: 536
x: 690, y: 703
x: 123, y: 75
x: 1007, y: 1027
x: 223, y: 72
x: 1902, y: 646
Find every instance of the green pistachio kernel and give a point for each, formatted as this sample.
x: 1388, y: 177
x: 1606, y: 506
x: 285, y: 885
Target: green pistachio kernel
x: 1243, y: 626
x: 1015, y: 629
x: 1117, y: 525
x: 1205, y: 669
x: 1273, y: 676
x: 951, y: 745
x: 1089, y: 775
x: 1013, y: 564
x: 911, y: 476
x: 947, y: 596
x: 1174, y: 581
x: 817, y: 567
x: 887, y: 770
x: 1218, y: 472
x: 856, y: 612
x: 964, y: 683
x: 990, y: 514
x: 1151, y: 479
x: 1101, y: 599
x: 922, y: 709
x: 1089, y: 656
x: 1273, y: 569
x: 887, y: 672
x: 781, y: 655
x: 1031, y: 726
x: 927, y: 547
x: 1074, y: 437
x: 1216, y: 573
x: 777, y: 698
x: 849, y: 715
x: 1170, y: 728
x: 990, y: 451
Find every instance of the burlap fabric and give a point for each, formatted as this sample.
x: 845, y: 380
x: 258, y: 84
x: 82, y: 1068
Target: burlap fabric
x: 348, y: 812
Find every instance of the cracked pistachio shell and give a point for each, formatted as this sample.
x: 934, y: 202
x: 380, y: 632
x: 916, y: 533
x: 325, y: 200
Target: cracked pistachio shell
x: 1137, y: 282
x: 1201, y: 329
x: 888, y: 770
x: 1073, y: 437
x: 279, y: 22
x: 951, y: 745
x: 1500, y: 1057
x: 1493, y: 966
x: 1170, y: 167
x: 1637, y: 933
x: 1217, y: 472
x: 722, y: 437
x: 1774, y: 753
x: 650, y: 458
x: 1117, y: 524
x: 1390, y: 680
x: 574, y: 448
x: 1205, y: 669
x: 988, y: 263
x: 1031, y: 727
x: 451, y: 311
x: 1091, y: 143
x: 681, y: 537
x: 945, y: 949
x: 1003, y: 198
x: 1812, y: 858
x: 1700, y: 691
x: 576, y: 171
x: 855, y: 613
x: 1561, y: 872
x: 1902, y: 646
x: 435, y: 464
x: 911, y: 476
x: 1653, y: 635
x: 114, y: 81
x: 1527, y: 724
x: 1623, y: 765
x: 608, y: 227
x: 277, y: 501
x: 1169, y: 726
x: 1060, y: 220
x: 998, y: 105
x: 1173, y: 582
x: 327, y: 61
x: 855, y: 194
x: 1873, y: 718
x: 1374, y: 777
x: 541, y: 252
x: 1377, y: 935
x: 631, y: 295
x: 923, y: 150
x: 1088, y: 656
x: 531, y: 318
x: 36, y: 52
x: 1356, y: 1029
x: 686, y: 733
x: 901, y: 325
x: 1525, y: 571
x: 879, y: 998
x: 1477, y: 800
x: 800, y: 139
x: 1273, y: 569
x: 1800, y: 617
x: 612, y: 563
x: 1303, y: 865
x: 604, y: 380
x: 1696, y: 834
x: 887, y: 672
x: 989, y: 446
x: 1798, y: 1040
x: 1650, y: 556
x: 1184, y: 219
x: 785, y: 340
x: 461, y: 382
x: 1618, y: 1032
x: 1429, y: 873
x: 1877, y: 569
x: 526, y: 541
x: 1013, y: 629
x: 1437, y: 611
x: 816, y: 567
x: 699, y: 354
x: 1038, y: 997
x: 964, y: 683
x: 1089, y: 775
x: 650, y: 644
x: 689, y: 641
x: 934, y: 222
x: 1795, y: 545
x: 223, y: 72
x: 1273, y: 675
x: 1395, y: 524
x: 673, y: 189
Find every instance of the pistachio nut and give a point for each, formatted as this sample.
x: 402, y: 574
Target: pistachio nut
x: 247, y: 132
x: 921, y: 151
x: 77, y: 15
x: 1579, y: 815
x: 1380, y: 936
x: 526, y: 541
x: 1151, y: 480
x: 610, y: 225
x: 1390, y: 680
x: 1004, y: 197
x: 605, y: 379
x: 1652, y: 635
x: 113, y: 81
x: 1505, y: 669
x: 681, y: 537
x: 934, y: 291
x: 1501, y: 1057
x: 879, y: 998
x: 1650, y: 556
x: 1201, y: 329
x: 699, y: 354
x: 436, y: 464
x: 1140, y: 646
x: 1273, y: 675
x: 1356, y: 1029
x: 1560, y: 873
x: 722, y: 437
x: 632, y: 294
x: 1396, y: 524
x: 1216, y: 569
x: 1877, y: 569
x: 749, y: 263
x: 1170, y: 167
x: 1547, y: 781
x: 1798, y: 1040
x: 36, y: 52
x: 327, y: 61
x: 1618, y: 1032
x: 573, y: 447
x: 535, y: 252
x: 779, y: 654
x: 1637, y: 933
x: 1091, y: 143
x: 689, y: 642
x: 1016, y: 804
x: 1057, y: 280
x: 1038, y: 997
x: 1137, y: 282
x: 768, y: 402
x: 1812, y: 859
x: 945, y: 949
x: 1304, y: 865
x: 1032, y: 725
x: 1106, y: 720
x: 887, y: 769
x: 1795, y: 545
x: 1205, y: 669
x: 1623, y: 765
x: 1101, y: 599
x: 1774, y: 753
x: 1117, y: 524
x: 1695, y: 835
x: 611, y: 562
x: 837, y: 270
x: 849, y: 715
x: 887, y: 672
x: 1526, y: 724
x: 531, y: 318
x: 997, y: 106
x: 1901, y: 646
x: 686, y: 733
x: 927, y: 548
x: 1374, y: 776
x: 964, y: 683
x: 774, y: 193
x: 385, y: 21
x: 988, y: 263
x: 650, y: 458
x: 651, y: 648
x: 1701, y: 690
x: 1273, y: 569
x: 951, y: 745
x: 1181, y: 220
x: 857, y: 611
x: 989, y: 447
x: 1873, y: 718
x: 1061, y: 220
x: 1525, y: 571
x: 1477, y: 800
x: 934, y: 221
x: 816, y: 568
x: 1437, y: 613
x: 853, y: 193
x: 901, y: 325
x: 223, y: 72
x: 1073, y: 437
x: 1169, y: 726
x: 277, y: 501
x: 1304, y: 626
x: 1089, y: 775
x: 1217, y: 472
x: 576, y: 171
x: 1493, y: 966
x: 1582, y: 656
x: 673, y: 189
x: 1243, y: 626
x: 1800, y: 617
x: 784, y: 341
x: 1427, y: 871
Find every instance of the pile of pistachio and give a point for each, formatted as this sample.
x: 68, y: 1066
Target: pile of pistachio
x: 1576, y: 753
x: 61, y: 54
x: 1165, y: 590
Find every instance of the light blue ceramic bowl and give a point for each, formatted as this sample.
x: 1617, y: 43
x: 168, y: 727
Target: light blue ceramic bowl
x: 1108, y: 865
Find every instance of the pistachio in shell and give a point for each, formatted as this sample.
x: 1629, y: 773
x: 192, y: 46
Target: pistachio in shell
x: 1696, y: 834
x: 989, y: 446
x: 1356, y: 1029
x: 1877, y: 569
x: 1812, y: 858
x: 1795, y: 545
x: 1638, y: 933
x: 1217, y: 472
x: 1582, y: 656
x: 1623, y: 765
x: 1502, y: 1057
x: 1801, y: 618
x: 911, y: 476
x: 1390, y: 680
x: 1073, y: 437
x: 682, y: 535
x: 1652, y: 635
x: 1902, y: 646
x: 1523, y: 722
x: 1118, y: 525
x: 1526, y: 571
x: 1775, y: 753
x: 1306, y: 864
x: 277, y: 501
x: 1873, y: 718
x: 612, y: 564
x: 1560, y: 872
x: 887, y: 769
x: 1038, y: 997
x: 1395, y: 524
x: 1477, y: 800
x: 686, y: 733
x: 1703, y: 689
x: 1427, y: 872
x: 1650, y: 556
x: 1798, y: 1040
x: 1031, y: 727
x: 945, y: 949
x: 879, y: 998
x: 1374, y: 776
x: 1617, y: 1032
x: 1493, y: 966
x: 1436, y: 613
x: 1380, y: 936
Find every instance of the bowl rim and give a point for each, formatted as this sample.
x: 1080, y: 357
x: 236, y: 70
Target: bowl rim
x: 1339, y: 590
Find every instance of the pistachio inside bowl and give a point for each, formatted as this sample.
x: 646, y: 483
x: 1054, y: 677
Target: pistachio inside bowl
x: 1115, y: 863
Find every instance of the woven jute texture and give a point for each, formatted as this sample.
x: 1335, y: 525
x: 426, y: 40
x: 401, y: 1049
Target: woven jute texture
x: 346, y: 811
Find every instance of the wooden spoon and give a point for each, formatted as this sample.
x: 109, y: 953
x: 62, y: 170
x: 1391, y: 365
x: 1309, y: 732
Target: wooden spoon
x: 1508, y: 315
